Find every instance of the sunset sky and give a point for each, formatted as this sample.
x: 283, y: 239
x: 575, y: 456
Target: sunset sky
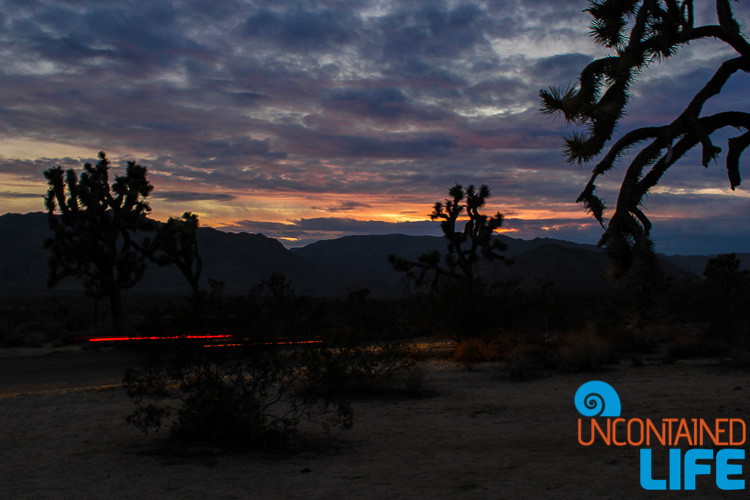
x: 305, y: 120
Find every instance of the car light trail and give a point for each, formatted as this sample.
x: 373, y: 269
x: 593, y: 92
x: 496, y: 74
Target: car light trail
x: 167, y: 337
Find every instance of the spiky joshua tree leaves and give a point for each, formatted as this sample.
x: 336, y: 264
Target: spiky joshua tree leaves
x: 638, y: 33
x: 464, y: 246
x: 176, y: 243
x: 94, y: 233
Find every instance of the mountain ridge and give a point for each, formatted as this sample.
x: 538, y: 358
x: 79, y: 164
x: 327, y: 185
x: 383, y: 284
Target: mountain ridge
x: 327, y: 267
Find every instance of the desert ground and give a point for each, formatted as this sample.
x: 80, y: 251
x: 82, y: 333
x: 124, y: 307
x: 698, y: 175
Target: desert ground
x: 477, y: 434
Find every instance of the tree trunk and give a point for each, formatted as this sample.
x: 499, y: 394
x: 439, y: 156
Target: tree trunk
x: 115, y: 302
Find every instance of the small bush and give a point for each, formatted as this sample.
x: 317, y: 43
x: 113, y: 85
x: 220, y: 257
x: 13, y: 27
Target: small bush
x: 529, y: 361
x: 366, y: 370
x: 472, y: 351
x: 245, y: 396
x: 585, y: 350
x: 695, y: 345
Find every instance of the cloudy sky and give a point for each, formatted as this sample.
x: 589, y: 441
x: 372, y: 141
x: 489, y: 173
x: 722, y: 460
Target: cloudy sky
x: 315, y: 119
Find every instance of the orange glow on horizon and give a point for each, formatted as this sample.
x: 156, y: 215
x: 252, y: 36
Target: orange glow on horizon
x: 273, y: 212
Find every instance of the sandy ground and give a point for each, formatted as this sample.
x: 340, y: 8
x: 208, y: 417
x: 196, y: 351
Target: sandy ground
x: 479, y: 436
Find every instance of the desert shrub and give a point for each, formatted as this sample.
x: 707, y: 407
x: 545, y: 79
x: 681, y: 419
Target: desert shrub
x: 694, y: 345
x: 585, y: 350
x: 472, y: 351
x: 529, y: 361
x: 246, y: 395
x: 366, y: 370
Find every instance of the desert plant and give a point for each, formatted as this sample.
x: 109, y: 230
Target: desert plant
x: 248, y: 395
x: 366, y: 370
x: 176, y: 243
x: 463, y: 244
x: 94, y: 234
x: 529, y: 361
x: 657, y: 30
x: 728, y: 283
x: 696, y: 344
x: 585, y: 350
x: 99, y: 232
x: 473, y: 351
x: 461, y: 299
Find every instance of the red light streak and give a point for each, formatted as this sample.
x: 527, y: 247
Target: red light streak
x: 169, y: 337
x: 280, y: 342
x: 204, y: 337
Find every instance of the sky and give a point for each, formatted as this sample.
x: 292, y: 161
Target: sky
x: 307, y: 120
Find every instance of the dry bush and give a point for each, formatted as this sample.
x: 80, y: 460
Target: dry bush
x: 243, y: 396
x: 472, y: 351
x: 585, y: 350
x: 694, y: 344
x: 367, y: 370
x: 529, y: 361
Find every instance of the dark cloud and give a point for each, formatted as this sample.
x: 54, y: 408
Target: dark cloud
x: 432, y: 30
x: 7, y: 194
x: 344, y: 206
x: 577, y: 230
x: 33, y: 170
x: 357, y: 97
x: 302, y: 30
x: 564, y: 68
x: 191, y: 196
x: 379, y: 103
x: 419, y: 146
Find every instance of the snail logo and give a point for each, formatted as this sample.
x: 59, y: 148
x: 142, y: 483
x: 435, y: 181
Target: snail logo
x: 693, y: 446
x: 597, y: 399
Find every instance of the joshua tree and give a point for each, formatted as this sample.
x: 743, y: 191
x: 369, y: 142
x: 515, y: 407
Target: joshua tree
x: 463, y: 246
x: 657, y: 29
x: 94, y: 234
x: 723, y: 272
x: 176, y: 243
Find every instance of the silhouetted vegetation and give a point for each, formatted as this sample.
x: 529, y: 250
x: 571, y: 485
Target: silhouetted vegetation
x: 101, y: 233
x: 724, y: 275
x: 176, y: 244
x: 471, y: 351
x: 249, y: 395
x: 462, y: 298
x: 464, y: 245
x: 657, y: 29
x: 372, y: 369
x: 727, y: 297
x: 94, y: 235
x: 289, y: 359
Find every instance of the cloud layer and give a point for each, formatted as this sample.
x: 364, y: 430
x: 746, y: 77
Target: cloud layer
x: 319, y: 118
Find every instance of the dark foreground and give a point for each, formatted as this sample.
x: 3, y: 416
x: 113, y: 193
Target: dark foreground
x: 35, y: 370
x: 479, y: 435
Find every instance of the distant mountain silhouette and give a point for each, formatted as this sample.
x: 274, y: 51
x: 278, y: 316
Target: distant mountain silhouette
x: 355, y: 262
x: 328, y: 267
x: 23, y: 258
x: 361, y: 261
x: 240, y: 260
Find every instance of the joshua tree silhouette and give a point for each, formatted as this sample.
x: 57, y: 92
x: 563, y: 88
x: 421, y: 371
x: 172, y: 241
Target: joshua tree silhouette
x: 463, y: 246
x: 658, y: 28
x: 94, y: 235
x: 176, y: 243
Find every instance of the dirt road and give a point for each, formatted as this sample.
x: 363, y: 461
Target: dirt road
x: 30, y: 372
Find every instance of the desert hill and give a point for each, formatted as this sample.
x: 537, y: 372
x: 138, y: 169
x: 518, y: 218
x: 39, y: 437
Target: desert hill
x: 327, y: 267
